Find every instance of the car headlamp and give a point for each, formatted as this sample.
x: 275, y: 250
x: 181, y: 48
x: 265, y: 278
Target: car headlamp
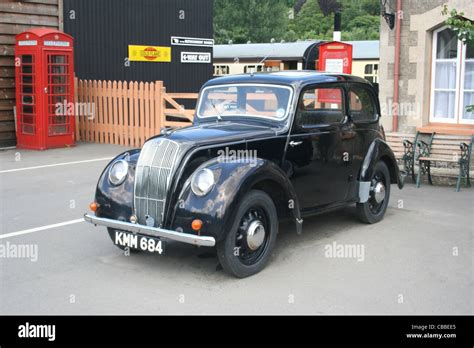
x: 118, y: 172
x: 202, y: 182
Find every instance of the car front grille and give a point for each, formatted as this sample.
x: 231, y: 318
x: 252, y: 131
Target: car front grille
x: 156, y: 165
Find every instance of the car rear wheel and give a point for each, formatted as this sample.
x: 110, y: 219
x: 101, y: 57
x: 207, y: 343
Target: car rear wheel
x: 374, y: 209
x: 249, y: 244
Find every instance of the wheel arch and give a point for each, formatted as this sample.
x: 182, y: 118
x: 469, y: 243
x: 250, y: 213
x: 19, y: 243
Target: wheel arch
x: 278, y: 195
x: 235, y: 180
x: 391, y: 168
x: 379, y: 150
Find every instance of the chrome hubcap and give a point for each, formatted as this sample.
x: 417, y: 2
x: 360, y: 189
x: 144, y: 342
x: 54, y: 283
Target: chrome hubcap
x: 379, y: 192
x: 255, y: 234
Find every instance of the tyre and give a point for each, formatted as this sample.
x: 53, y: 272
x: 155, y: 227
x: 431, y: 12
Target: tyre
x: 374, y: 209
x: 248, y: 245
x: 112, y: 237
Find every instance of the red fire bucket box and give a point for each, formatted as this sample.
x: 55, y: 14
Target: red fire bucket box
x: 335, y: 57
x: 44, y: 76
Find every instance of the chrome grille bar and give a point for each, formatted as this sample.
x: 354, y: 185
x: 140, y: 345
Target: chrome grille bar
x: 154, y: 171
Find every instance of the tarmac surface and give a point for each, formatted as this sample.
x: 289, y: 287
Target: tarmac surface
x: 418, y: 260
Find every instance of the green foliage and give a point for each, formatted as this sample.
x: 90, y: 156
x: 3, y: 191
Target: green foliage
x: 250, y: 20
x: 262, y: 20
x: 462, y: 26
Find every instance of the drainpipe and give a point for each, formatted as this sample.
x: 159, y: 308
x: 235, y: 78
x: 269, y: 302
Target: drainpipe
x: 396, y: 72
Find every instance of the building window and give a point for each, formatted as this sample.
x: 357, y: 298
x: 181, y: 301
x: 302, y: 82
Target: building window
x: 452, y: 79
x: 371, y: 72
x: 250, y: 69
x: 220, y: 70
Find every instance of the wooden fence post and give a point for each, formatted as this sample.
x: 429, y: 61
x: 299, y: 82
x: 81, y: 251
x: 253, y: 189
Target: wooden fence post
x: 158, y: 116
x: 126, y: 121
x: 146, y: 100
x: 136, y: 114
x: 119, y: 111
x: 76, y: 121
x: 98, y: 115
x: 163, y: 108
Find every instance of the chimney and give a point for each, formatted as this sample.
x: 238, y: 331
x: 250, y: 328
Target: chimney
x: 337, y: 26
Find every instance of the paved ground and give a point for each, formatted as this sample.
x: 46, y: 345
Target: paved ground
x: 417, y: 261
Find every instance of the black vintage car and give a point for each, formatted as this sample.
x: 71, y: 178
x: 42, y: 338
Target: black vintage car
x: 263, y: 148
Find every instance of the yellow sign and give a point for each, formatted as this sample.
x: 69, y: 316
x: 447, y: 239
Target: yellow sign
x: 149, y: 54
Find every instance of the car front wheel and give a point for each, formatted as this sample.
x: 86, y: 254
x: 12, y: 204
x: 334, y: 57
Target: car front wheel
x: 248, y: 245
x: 374, y: 209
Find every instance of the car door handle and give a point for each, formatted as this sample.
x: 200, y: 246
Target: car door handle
x: 295, y: 143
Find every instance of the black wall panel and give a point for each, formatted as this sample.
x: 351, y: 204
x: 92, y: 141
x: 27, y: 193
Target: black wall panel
x: 103, y: 29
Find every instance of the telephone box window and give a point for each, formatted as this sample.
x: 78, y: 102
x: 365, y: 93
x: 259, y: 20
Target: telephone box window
x: 27, y: 111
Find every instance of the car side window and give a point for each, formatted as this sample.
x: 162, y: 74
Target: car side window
x: 320, y: 106
x: 362, y: 105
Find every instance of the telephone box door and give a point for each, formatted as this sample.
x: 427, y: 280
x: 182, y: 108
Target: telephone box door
x: 29, y: 125
x: 59, y: 98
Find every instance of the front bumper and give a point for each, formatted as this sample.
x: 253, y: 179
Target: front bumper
x: 151, y: 231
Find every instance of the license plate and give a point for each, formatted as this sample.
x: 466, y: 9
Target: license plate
x: 134, y: 241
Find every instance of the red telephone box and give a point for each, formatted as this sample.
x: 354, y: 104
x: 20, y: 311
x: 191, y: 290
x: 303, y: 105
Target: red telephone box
x: 44, y: 73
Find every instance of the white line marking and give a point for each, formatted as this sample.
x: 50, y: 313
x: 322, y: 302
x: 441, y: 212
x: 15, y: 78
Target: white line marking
x: 56, y: 165
x: 37, y: 229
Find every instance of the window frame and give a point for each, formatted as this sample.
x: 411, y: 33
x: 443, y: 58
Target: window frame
x: 459, y: 85
x: 374, y: 74
x: 322, y: 86
x: 462, y: 81
x: 374, y: 98
x: 273, y: 119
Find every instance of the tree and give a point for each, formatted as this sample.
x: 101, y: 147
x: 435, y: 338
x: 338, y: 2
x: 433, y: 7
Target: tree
x: 250, y: 20
x: 262, y: 20
x: 360, y: 20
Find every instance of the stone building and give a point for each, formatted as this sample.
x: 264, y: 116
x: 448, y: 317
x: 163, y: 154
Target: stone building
x: 436, y: 79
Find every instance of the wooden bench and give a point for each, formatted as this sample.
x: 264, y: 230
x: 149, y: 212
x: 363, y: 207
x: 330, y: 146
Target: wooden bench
x: 404, y: 148
x: 447, y: 149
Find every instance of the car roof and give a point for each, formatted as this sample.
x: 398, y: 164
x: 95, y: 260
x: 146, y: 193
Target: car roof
x: 294, y: 78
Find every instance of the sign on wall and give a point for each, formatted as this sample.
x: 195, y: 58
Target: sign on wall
x: 196, y: 57
x: 155, y: 54
x: 190, y: 41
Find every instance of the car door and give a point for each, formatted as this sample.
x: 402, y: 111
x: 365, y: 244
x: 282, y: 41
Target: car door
x: 315, y: 158
x: 362, y: 127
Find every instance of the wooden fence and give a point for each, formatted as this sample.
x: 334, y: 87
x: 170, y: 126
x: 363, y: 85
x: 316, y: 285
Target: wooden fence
x: 127, y: 113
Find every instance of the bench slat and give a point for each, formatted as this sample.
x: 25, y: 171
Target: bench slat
x: 438, y: 159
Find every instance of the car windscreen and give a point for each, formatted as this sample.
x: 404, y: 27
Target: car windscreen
x: 263, y: 101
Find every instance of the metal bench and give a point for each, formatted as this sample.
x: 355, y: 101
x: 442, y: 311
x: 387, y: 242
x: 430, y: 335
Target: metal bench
x: 405, y: 150
x: 447, y: 149
x: 409, y: 155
